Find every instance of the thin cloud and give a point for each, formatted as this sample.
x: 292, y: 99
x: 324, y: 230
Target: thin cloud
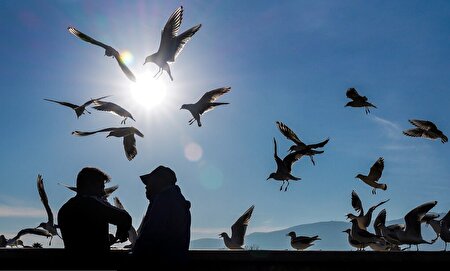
x: 392, y: 129
x: 13, y: 211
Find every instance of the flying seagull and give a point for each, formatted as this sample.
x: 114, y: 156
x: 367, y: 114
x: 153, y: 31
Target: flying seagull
x: 238, y: 231
x: 363, y: 219
x: 205, y: 104
x: 50, y: 225
x: 113, y: 108
x: 171, y: 43
x: 129, y: 142
x: 284, y: 167
x: 16, y: 239
x: 302, y: 242
x: 299, y: 145
x: 358, y: 100
x: 374, y: 175
x: 79, y: 109
x: 109, y: 51
x: 108, y: 190
x: 426, y: 129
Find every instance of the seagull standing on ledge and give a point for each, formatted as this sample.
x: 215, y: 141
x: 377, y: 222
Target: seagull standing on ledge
x: 238, y: 231
x: 358, y: 100
x: 129, y: 142
x: 205, y: 104
x: 171, y: 44
x: 109, y: 51
x: 374, y: 175
x: 425, y: 129
x: 302, y: 242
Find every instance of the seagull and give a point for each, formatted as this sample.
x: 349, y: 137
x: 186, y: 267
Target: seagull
x: 363, y: 236
x: 109, y: 51
x: 374, y: 175
x: 445, y: 229
x: 425, y: 129
x: 353, y: 242
x: 302, y: 242
x: 129, y: 142
x: 362, y: 219
x: 132, y: 233
x: 284, y: 167
x: 238, y: 231
x: 430, y: 219
x: 205, y: 104
x: 113, y: 108
x: 50, y: 225
x: 389, y: 233
x: 171, y: 44
x: 15, y: 241
x: 108, y: 190
x: 299, y: 145
x: 412, y: 234
x: 79, y: 109
x: 358, y: 100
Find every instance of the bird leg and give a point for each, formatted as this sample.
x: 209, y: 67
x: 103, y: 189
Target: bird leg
x: 191, y: 121
x: 312, y: 160
x: 123, y: 121
x: 281, y: 188
x: 285, y: 189
x: 50, y: 242
x: 159, y: 70
x: 374, y: 191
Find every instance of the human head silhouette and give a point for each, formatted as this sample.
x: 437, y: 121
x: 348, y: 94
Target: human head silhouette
x: 91, y: 182
x: 158, y: 180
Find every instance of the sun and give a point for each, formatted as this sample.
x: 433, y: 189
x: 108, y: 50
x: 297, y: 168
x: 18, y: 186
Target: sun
x: 148, y: 91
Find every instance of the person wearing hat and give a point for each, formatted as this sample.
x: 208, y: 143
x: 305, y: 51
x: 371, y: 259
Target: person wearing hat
x: 166, y: 227
x: 84, y: 219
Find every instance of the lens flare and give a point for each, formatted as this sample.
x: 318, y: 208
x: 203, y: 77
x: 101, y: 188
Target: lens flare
x: 127, y: 57
x: 193, y: 152
x: 211, y: 177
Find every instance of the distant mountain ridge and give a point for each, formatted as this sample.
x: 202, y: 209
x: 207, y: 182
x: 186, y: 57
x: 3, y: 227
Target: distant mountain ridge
x: 329, y: 231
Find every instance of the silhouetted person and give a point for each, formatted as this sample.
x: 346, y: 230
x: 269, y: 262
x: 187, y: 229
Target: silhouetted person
x: 84, y: 219
x: 165, y: 231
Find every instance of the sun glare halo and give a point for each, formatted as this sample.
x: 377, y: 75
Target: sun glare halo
x: 148, y: 91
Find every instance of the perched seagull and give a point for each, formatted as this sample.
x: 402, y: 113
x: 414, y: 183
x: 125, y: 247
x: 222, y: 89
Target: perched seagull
x: 129, y: 142
x: 425, y: 129
x: 171, y: 43
x: 108, y: 190
x: 302, y: 242
x: 412, y: 234
x: 79, y: 109
x: 205, y: 104
x: 238, y: 231
x: 113, y: 108
x: 50, y: 225
x: 284, y: 167
x: 362, y: 219
x: 299, y: 145
x: 15, y: 241
x: 389, y: 233
x: 109, y: 51
x: 363, y: 236
x: 445, y: 229
x: 358, y: 100
x: 132, y: 233
x: 353, y: 242
x: 374, y: 175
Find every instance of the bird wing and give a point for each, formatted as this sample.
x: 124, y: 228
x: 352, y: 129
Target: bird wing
x: 213, y: 95
x: 375, y: 206
x: 278, y: 160
x: 416, y: 132
x: 413, y: 218
x: 319, y: 145
x: 111, y: 107
x: 356, y: 203
x: 125, y: 68
x: 80, y: 133
x: 183, y: 39
x: 73, y: 188
x: 353, y: 94
x: 167, y: 47
x: 36, y: 231
x: 118, y: 203
x: 446, y: 218
x: 86, y: 38
x: 94, y: 100
x: 423, y: 124
x: 129, y: 144
x: 73, y: 106
x: 376, y: 170
x: 289, y: 160
x: 44, y: 198
x: 110, y: 190
x: 240, y: 226
x: 287, y: 132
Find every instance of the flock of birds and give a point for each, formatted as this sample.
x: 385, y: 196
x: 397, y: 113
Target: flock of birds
x: 171, y: 44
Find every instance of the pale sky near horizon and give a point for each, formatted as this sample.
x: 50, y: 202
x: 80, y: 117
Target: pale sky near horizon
x: 288, y: 61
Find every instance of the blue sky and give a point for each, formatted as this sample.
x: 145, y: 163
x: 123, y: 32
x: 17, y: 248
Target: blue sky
x: 288, y: 61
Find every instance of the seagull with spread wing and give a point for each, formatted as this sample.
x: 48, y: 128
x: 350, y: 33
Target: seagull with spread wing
x: 108, y: 190
x: 238, y: 231
x: 284, y: 167
x: 425, y: 129
x: 79, y: 109
x: 363, y: 219
x: 374, y: 175
x: 129, y: 142
x: 299, y: 145
x: 50, y: 225
x: 109, y: 51
x: 113, y: 108
x: 15, y: 241
x: 358, y: 100
x: 205, y: 104
x: 171, y: 43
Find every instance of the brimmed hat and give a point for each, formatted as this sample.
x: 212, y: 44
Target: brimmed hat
x: 161, y: 173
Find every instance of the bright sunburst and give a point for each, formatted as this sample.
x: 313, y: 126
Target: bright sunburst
x: 148, y: 92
